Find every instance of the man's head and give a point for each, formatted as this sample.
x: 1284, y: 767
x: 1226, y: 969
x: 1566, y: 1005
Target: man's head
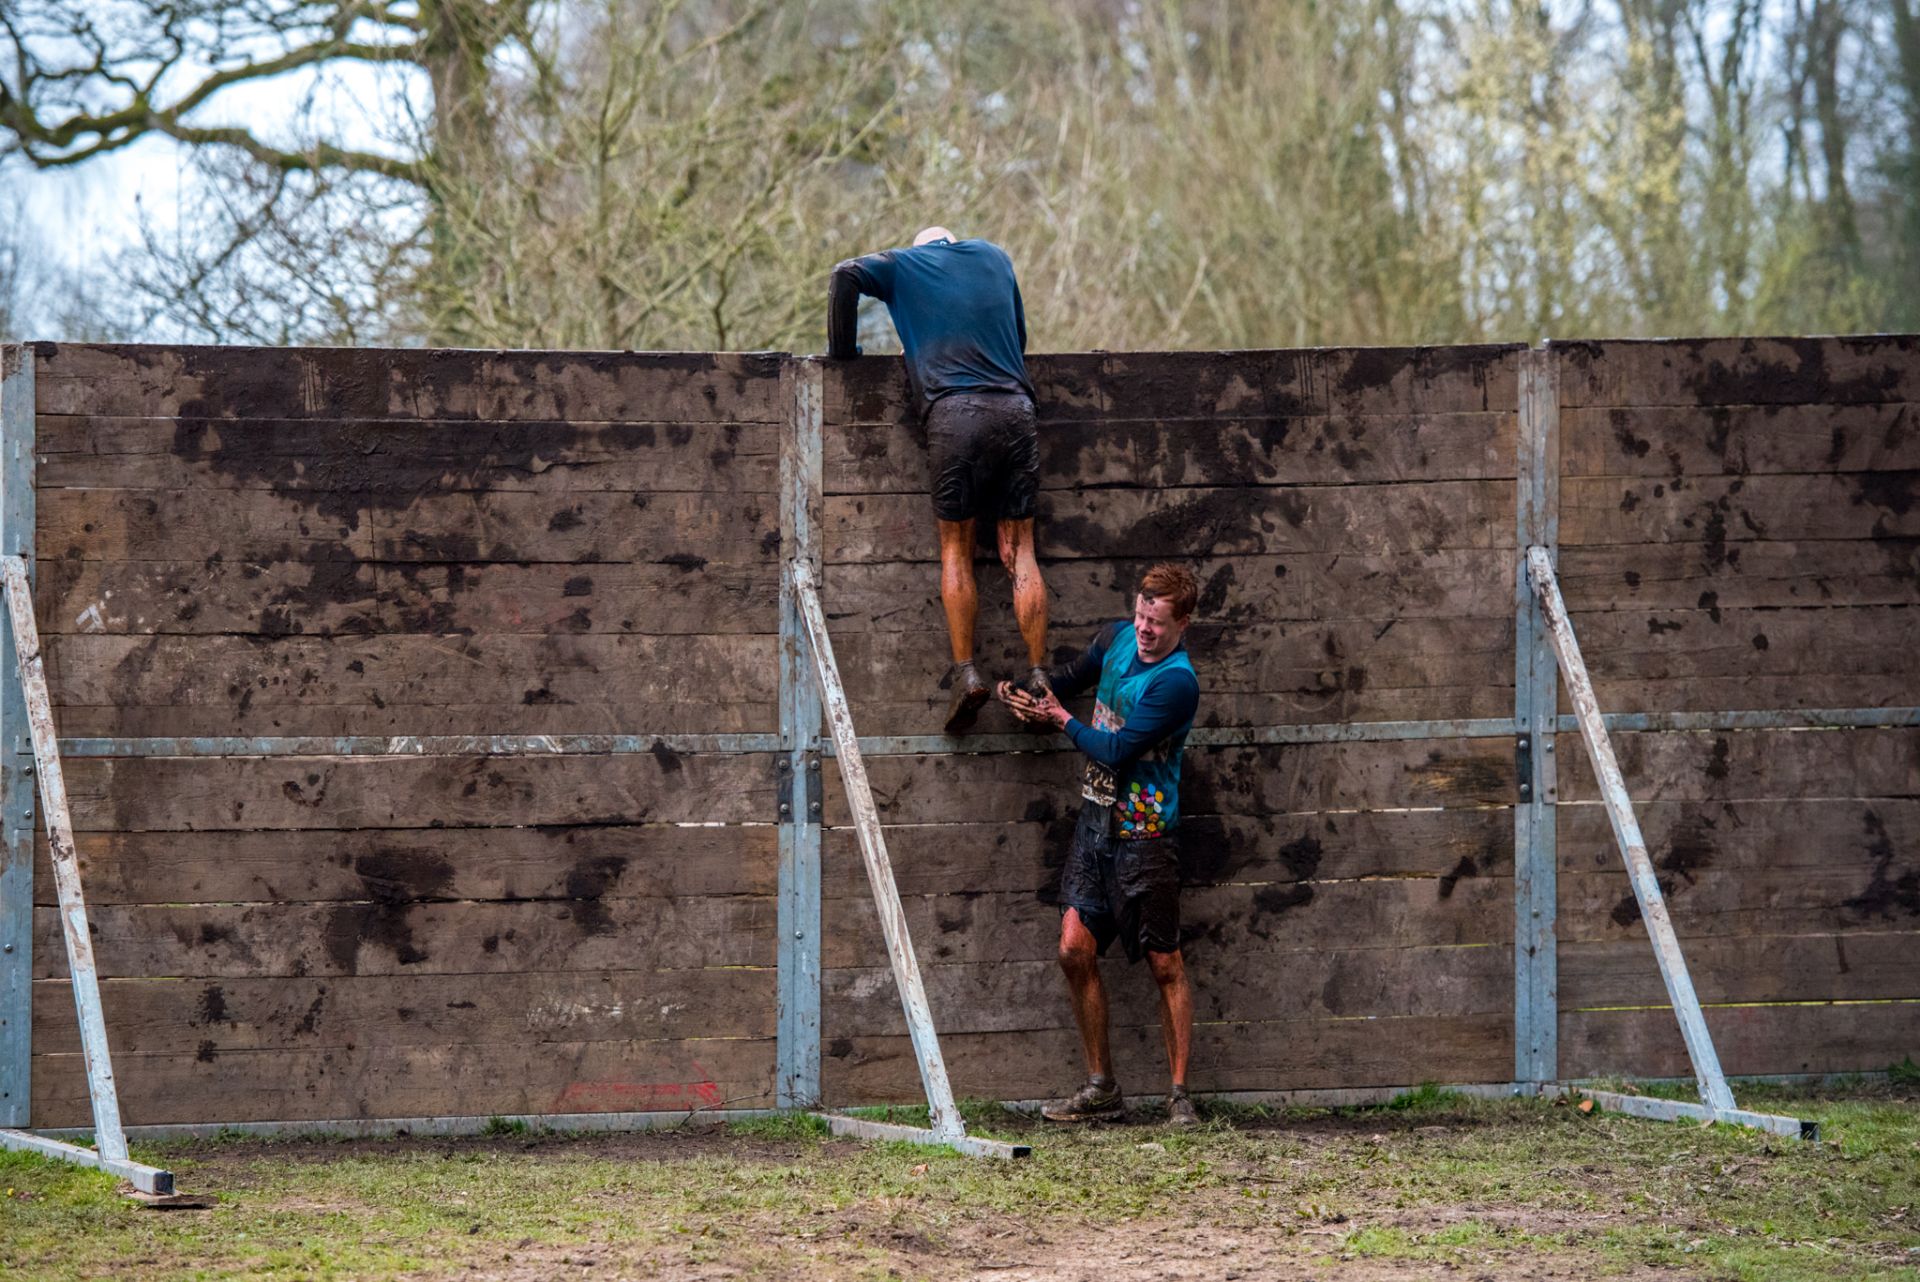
x: 927, y: 235
x: 1162, y: 609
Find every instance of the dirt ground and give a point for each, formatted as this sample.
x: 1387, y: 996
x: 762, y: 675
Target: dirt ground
x: 1445, y: 1188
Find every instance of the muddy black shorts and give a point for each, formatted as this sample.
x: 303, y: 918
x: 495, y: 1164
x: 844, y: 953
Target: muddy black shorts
x: 984, y: 453
x: 1129, y: 890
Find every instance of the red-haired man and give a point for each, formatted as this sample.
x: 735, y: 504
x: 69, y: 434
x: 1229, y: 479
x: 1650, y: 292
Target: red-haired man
x: 1122, y: 874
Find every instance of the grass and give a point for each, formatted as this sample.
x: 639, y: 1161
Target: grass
x: 1430, y: 1183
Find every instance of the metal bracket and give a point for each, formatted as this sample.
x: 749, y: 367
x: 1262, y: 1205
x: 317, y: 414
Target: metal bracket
x: 797, y: 796
x: 1523, y: 766
x: 783, y: 790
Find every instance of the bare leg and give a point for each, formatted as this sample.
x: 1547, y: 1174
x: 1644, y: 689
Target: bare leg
x: 1080, y: 959
x: 1176, y: 1009
x: 957, y: 591
x: 1029, y: 589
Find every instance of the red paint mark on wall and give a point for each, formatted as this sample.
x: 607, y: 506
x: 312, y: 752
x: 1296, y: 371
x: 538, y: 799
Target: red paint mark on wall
x: 637, y: 1097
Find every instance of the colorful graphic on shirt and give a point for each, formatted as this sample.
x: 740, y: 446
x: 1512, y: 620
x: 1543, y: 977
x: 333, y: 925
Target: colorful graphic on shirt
x: 1098, y: 783
x: 1141, y: 811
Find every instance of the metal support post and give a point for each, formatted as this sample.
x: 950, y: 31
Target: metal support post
x: 1626, y: 832
x: 1536, y: 1009
x: 944, y: 1117
x: 797, y: 1073
x: 16, y: 759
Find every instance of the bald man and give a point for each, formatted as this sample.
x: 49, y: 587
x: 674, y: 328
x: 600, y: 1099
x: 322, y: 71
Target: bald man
x: 957, y: 308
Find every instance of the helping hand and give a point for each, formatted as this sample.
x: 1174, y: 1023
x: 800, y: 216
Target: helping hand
x: 1041, y: 711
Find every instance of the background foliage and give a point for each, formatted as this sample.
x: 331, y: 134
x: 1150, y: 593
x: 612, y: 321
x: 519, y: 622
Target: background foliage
x: 1166, y: 173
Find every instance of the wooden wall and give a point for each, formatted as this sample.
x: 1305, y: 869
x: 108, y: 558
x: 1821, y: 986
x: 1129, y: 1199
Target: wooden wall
x: 275, y: 543
x: 1348, y: 919
x: 1740, y: 530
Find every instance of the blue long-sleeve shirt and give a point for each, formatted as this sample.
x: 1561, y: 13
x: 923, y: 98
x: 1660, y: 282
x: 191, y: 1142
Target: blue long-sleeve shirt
x: 1168, y: 704
x: 956, y: 305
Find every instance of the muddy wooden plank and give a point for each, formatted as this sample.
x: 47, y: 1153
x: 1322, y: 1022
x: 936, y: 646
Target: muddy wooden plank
x: 1273, y: 1055
x: 1249, y: 674
x: 874, y: 389
x: 1735, y: 838
x: 1746, y: 968
x: 392, y: 459
x: 131, y: 685
x: 138, y: 380
x: 1424, y: 379
x: 276, y: 596
x: 1248, y: 922
x: 1025, y: 856
x: 1006, y: 997
x: 1751, y: 1040
x: 1685, y: 440
x: 1756, y: 764
x: 687, y: 596
x: 1261, y: 780
x: 1722, y: 514
x: 638, y: 861
x: 1676, y: 644
x: 1083, y: 595
x: 1245, y: 520
x: 186, y: 794
x: 189, y: 525
x: 1740, y: 371
x: 286, y: 597
x: 1760, y: 693
x: 873, y: 458
x: 1852, y: 572
x: 174, y: 1016
x: 400, y: 936
x: 584, y: 526
x: 1870, y: 894
x: 463, y: 1078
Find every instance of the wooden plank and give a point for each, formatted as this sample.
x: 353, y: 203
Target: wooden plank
x: 177, y: 1016
x: 1756, y: 764
x: 285, y: 597
x: 683, y: 597
x: 1261, y: 780
x: 186, y: 794
x: 1250, y: 674
x: 1083, y: 595
x: 1025, y: 856
x: 387, y: 865
x: 689, y: 529
x: 1752, y: 1040
x: 136, y: 380
x: 1385, y: 380
x: 1685, y: 440
x: 1764, y: 573
x: 891, y: 458
x: 473, y: 1079
x: 397, y: 936
x: 1867, y: 894
x: 1250, y: 923
x: 392, y: 459
x: 1736, y: 838
x: 1679, y: 646
x: 130, y: 685
x: 874, y: 389
x: 106, y: 525
x: 1246, y: 520
x: 1278, y: 1055
x: 1003, y: 997
x: 1740, y: 371
x: 1723, y: 514
x: 1746, y: 968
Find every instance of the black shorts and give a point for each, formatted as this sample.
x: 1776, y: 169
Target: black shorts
x: 1128, y: 890
x: 984, y: 453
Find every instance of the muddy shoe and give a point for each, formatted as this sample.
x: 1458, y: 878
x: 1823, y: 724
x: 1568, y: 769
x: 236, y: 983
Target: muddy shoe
x: 1098, y: 1101
x: 969, y: 692
x: 1036, y: 683
x: 1180, y: 1109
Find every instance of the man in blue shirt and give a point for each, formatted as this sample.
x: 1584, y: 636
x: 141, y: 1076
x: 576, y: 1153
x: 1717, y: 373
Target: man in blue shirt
x: 1122, y: 873
x: 956, y: 306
